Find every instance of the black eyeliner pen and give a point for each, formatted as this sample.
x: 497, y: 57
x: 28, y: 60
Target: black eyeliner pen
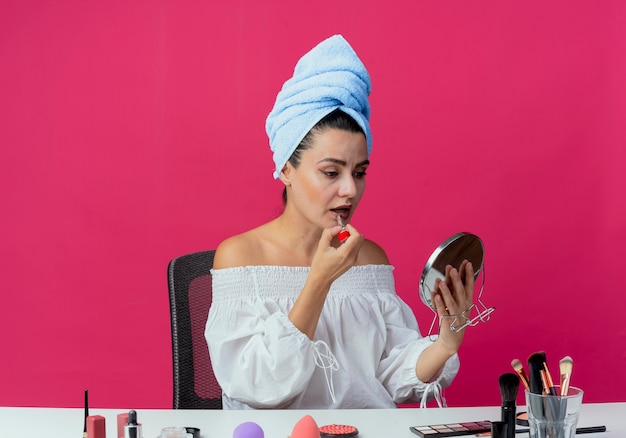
x: 86, y: 413
x: 579, y: 430
x: 591, y: 429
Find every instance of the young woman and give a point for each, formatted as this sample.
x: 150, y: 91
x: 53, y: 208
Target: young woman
x: 300, y: 319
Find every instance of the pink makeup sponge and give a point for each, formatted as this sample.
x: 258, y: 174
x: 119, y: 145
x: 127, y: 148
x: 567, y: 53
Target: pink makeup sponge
x: 306, y: 427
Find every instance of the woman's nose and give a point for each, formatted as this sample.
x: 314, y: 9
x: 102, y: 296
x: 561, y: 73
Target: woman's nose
x: 348, y: 187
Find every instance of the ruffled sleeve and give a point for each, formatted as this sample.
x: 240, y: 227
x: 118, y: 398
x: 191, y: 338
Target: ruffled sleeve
x: 258, y: 356
x: 404, y: 344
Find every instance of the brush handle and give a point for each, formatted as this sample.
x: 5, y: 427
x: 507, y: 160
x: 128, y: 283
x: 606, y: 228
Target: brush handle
x: 508, y: 418
x: 534, y: 379
x: 565, y: 384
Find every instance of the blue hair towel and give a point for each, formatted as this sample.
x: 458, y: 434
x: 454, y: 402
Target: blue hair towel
x: 331, y: 76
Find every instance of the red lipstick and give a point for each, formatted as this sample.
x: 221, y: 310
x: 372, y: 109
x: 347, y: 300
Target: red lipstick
x: 343, y: 234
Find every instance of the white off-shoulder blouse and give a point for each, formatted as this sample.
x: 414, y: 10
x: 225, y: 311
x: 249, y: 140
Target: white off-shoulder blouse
x: 363, y: 354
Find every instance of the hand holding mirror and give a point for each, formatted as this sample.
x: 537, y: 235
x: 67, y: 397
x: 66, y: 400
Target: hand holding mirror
x: 455, y: 249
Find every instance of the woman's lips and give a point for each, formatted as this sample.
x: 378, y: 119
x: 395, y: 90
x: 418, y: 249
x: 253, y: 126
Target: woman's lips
x: 344, y: 213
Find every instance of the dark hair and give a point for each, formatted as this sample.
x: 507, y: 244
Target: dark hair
x: 336, y: 119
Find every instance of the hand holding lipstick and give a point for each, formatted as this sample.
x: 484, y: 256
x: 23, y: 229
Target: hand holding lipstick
x: 334, y: 259
x: 329, y: 263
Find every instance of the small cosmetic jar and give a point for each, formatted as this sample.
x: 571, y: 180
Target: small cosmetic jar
x: 193, y: 432
x: 173, y: 432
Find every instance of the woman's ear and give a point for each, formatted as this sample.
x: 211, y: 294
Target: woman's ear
x: 285, y: 174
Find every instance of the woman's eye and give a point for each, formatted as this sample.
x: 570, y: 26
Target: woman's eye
x: 333, y: 173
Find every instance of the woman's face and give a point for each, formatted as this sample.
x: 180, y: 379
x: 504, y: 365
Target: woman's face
x: 330, y: 179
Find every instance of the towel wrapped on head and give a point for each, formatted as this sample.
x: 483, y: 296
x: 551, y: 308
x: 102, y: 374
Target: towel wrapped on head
x: 331, y: 76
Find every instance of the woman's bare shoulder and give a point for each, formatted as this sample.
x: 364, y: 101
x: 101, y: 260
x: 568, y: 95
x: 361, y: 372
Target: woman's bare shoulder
x: 240, y: 250
x: 258, y: 247
x: 372, y: 254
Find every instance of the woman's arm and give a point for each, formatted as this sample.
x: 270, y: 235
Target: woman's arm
x: 452, y: 297
x: 328, y: 264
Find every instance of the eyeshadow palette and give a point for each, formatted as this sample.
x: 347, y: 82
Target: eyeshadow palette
x: 452, y: 429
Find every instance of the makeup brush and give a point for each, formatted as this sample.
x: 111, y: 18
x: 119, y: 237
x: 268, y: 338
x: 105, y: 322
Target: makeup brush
x: 509, y: 386
x: 519, y: 369
x: 565, y: 365
x: 537, y: 363
x: 536, y: 376
x: 548, y: 378
x: 539, y: 385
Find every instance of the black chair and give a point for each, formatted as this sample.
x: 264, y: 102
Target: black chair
x: 190, y: 283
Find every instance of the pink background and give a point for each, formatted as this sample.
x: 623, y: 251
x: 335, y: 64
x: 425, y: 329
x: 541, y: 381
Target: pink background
x: 132, y: 132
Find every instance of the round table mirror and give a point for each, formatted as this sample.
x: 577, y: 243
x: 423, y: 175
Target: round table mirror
x: 455, y: 249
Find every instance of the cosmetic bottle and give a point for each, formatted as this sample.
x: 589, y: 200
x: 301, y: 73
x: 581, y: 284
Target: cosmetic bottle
x: 132, y: 429
x: 498, y: 429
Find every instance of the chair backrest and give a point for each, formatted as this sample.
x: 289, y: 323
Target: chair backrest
x: 190, y: 285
